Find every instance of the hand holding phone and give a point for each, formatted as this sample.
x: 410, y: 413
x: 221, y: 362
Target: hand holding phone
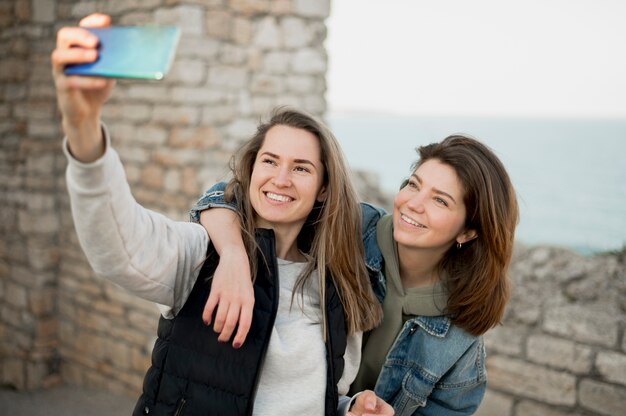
x: 137, y: 52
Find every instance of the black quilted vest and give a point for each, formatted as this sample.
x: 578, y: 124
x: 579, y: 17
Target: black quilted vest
x: 194, y: 374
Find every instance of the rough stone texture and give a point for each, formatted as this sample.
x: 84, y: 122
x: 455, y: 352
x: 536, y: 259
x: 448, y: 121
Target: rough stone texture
x: 560, y: 350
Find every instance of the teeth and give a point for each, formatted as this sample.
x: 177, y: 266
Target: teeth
x: 279, y: 198
x: 411, y: 221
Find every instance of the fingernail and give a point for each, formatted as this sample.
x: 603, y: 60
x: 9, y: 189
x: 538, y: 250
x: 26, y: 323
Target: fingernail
x: 237, y: 345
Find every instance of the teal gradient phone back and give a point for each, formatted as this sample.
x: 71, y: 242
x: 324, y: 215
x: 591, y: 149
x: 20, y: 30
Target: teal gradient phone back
x: 142, y: 52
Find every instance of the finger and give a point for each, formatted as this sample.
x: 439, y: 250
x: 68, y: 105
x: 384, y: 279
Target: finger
x: 369, y: 398
x: 75, y: 36
x: 83, y: 83
x: 62, y: 57
x: 245, y: 321
x: 229, y: 324
x: 96, y: 20
x: 220, y: 316
x: 209, y: 307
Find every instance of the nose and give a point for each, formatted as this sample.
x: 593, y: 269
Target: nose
x: 416, y: 203
x: 282, y: 179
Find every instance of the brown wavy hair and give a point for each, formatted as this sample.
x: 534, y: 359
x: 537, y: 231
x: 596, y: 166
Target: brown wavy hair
x: 331, y: 234
x: 476, y: 273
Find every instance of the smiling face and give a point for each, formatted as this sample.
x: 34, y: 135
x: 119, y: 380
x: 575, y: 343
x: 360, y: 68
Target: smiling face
x: 287, y: 178
x: 429, y: 212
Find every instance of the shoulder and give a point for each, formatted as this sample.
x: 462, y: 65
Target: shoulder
x: 370, y: 217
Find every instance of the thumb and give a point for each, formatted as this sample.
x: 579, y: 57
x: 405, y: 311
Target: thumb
x: 370, y: 401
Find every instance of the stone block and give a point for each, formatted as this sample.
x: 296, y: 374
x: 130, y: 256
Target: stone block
x: 147, y: 323
x: 42, y: 302
x: 13, y: 373
x: 528, y: 408
x: 168, y: 115
x: 187, y: 72
x: 153, y: 136
x: 197, y: 95
x: 559, y: 353
x: 506, y: 339
x: 307, y: 8
x: 44, y: 11
x: 118, y: 354
x: 198, y: 47
x: 229, y: 77
x: 612, y: 366
x: 267, y: 34
x: 309, y: 61
x: 276, y: 62
x: 593, y: 325
x: 152, y: 176
x: 295, y: 32
x: 302, y: 84
x: 16, y: 295
x: 262, y: 84
x: 116, y: 7
x: 219, y: 24
x: 190, y: 18
x: 241, y: 129
x: 602, y: 398
x: 242, y: 31
x: 194, y: 138
x: 149, y: 93
x: 518, y: 377
x: 495, y: 404
x: 250, y: 7
x: 234, y: 55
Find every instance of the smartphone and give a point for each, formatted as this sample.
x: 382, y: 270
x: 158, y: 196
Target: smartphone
x: 138, y: 52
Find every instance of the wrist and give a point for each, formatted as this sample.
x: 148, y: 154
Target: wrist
x: 85, y: 139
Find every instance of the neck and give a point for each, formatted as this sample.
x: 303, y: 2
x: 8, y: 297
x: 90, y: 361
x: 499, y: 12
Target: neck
x: 286, y: 244
x: 418, y: 267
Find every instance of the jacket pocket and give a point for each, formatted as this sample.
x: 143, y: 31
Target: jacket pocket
x: 405, y: 388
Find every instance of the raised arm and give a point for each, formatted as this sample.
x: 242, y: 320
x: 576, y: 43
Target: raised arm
x: 81, y: 98
x: 142, y: 251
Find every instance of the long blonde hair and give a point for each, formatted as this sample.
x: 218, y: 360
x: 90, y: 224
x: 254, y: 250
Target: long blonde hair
x: 331, y: 237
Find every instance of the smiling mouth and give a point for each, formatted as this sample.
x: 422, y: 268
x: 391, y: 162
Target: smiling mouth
x: 411, y: 221
x: 277, y: 197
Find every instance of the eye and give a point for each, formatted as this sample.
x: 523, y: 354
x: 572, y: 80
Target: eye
x: 412, y: 184
x: 302, y: 169
x: 269, y: 161
x: 441, y: 201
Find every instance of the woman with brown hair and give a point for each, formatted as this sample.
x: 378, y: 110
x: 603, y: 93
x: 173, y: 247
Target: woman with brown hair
x: 438, y: 264
x: 300, y: 220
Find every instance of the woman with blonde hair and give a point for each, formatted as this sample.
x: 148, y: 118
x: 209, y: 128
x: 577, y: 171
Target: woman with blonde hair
x: 300, y: 221
x: 438, y: 265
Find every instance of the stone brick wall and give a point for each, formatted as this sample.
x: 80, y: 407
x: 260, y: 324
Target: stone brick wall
x: 562, y: 347
x: 236, y: 60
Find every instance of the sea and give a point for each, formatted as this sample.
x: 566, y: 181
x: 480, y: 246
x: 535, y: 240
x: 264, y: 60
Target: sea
x: 569, y: 174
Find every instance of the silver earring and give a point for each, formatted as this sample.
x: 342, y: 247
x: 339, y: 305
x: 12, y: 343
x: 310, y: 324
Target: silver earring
x: 459, y: 245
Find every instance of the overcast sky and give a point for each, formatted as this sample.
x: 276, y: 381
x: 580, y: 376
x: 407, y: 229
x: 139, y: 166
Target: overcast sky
x: 478, y: 57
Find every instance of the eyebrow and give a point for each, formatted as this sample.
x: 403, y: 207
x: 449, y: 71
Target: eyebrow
x: 275, y: 156
x: 437, y: 191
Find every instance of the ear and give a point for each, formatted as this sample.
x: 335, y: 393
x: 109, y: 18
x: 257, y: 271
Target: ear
x: 466, y: 236
x: 321, y: 195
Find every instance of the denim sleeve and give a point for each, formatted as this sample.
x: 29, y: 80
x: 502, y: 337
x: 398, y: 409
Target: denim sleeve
x: 212, y: 198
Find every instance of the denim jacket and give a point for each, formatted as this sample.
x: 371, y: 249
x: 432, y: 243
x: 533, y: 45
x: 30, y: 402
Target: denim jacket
x: 434, y: 368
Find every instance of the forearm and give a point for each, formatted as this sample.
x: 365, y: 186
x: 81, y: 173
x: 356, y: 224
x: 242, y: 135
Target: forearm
x: 85, y: 140
x: 142, y: 251
x: 224, y: 229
